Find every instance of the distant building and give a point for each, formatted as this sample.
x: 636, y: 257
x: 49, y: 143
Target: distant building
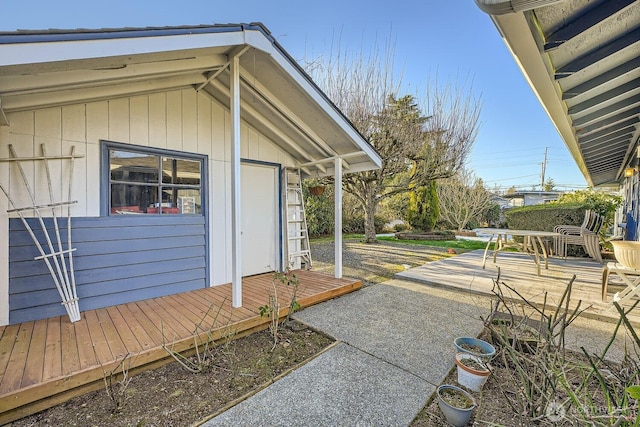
x: 530, y: 198
x: 501, y: 201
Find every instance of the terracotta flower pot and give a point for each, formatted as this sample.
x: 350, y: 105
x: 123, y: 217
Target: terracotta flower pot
x: 472, y: 371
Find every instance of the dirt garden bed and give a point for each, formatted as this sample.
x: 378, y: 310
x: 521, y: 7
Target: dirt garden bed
x: 172, y: 396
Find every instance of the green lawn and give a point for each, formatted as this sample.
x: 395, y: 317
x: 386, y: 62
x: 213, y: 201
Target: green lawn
x: 456, y: 244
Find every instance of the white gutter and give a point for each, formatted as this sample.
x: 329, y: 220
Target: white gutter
x: 503, y: 7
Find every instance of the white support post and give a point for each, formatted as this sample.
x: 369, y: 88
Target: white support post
x: 236, y: 218
x: 338, y: 217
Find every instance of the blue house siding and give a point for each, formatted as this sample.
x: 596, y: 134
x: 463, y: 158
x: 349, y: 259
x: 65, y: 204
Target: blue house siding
x: 118, y: 259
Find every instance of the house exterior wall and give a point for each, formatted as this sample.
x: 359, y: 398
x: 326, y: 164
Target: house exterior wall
x: 631, y: 208
x: 180, y: 120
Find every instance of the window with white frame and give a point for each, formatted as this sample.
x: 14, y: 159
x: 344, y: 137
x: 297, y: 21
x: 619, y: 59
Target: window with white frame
x: 152, y: 181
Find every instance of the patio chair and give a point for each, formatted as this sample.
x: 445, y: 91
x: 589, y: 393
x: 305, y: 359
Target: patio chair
x: 558, y: 243
x: 626, y: 267
x: 585, y: 235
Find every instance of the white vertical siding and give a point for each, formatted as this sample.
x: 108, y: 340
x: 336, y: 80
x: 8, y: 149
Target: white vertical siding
x: 118, y: 120
x: 74, y: 123
x: 48, y: 131
x: 189, y: 121
x: 174, y: 120
x: 253, y: 144
x: 205, y: 125
x: 23, y: 145
x: 97, y: 119
x: 139, y: 120
x: 218, y: 132
x: 158, y: 120
x: 74, y: 134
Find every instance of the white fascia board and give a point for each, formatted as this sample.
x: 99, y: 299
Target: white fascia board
x: 258, y: 40
x: 42, y: 52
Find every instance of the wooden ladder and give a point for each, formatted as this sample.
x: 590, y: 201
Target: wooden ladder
x: 297, y: 249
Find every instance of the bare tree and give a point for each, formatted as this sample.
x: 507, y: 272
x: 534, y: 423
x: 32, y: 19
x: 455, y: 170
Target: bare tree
x: 419, y: 140
x: 463, y: 198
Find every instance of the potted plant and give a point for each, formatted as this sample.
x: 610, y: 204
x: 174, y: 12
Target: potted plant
x: 472, y: 371
x: 520, y: 333
x: 475, y: 346
x: 456, y: 404
x: 316, y: 190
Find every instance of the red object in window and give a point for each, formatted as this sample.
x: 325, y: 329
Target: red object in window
x: 164, y: 210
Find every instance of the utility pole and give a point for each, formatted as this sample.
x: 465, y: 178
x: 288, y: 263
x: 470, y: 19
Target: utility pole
x: 544, y: 168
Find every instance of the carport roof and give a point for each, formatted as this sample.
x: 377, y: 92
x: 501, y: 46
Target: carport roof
x: 582, y: 60
x: 46, y: 68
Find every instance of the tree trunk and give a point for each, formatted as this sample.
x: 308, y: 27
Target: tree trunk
x: 369, y: 216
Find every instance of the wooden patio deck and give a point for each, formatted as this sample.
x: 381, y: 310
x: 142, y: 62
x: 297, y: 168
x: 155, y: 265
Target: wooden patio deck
x: 46, y: 362
x: 464, y: 273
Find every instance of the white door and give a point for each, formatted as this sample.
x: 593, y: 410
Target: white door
x: 260, y: 219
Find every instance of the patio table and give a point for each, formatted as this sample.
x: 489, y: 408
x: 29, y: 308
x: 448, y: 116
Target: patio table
x: 532, y: 239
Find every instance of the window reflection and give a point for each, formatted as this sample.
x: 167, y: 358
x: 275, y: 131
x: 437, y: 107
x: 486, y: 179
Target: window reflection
x: 136, y: 187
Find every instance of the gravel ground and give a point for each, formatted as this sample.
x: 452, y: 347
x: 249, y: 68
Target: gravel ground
x: 373, y: 263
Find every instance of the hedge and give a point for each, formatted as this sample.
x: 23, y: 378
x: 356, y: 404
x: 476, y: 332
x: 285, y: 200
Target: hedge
x: 545, y: 217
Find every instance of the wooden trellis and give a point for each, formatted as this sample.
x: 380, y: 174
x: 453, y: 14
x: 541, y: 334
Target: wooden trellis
x: 59, y: 260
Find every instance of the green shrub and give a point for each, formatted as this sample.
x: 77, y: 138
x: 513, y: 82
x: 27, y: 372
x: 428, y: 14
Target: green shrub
x: 401, y: 226
x: 319, y: 210
x: 602, y: 203
x: 354, y: 224
x: 545, y: 217
x: 423, y: 209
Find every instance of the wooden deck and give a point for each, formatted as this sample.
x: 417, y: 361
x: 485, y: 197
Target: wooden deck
x: 46, y: 362
x: 464, y: 273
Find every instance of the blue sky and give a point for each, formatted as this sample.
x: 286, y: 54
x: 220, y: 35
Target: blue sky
x: 450, y: 39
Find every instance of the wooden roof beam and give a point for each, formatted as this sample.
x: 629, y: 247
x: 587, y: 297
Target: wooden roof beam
x: 264, y: 122
x: 111, y: 74
x: 238, y: 51
x: 3, y: 117
x: 286, y: 112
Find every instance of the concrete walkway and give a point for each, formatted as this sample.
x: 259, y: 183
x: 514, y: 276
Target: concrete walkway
x: 396, y: 346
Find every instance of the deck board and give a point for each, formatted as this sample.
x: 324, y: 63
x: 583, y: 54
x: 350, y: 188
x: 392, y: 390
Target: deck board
x: 69, y: 342
x: 113, y: 338
x: 49, y: 361
x: 160, y: 319
x: 130, y: 343
x: 15, y: 368
x: 52, y: 366
x: 137, y: 335
x: 34, y: 364
x: 7, y: 342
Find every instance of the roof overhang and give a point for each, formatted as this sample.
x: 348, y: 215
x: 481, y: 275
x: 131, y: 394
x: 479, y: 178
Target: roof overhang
x: 582, y: 60
x: 41, y: 69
